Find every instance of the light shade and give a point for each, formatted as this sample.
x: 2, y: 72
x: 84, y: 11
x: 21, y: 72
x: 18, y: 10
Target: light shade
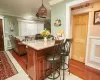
x: 42, y: 12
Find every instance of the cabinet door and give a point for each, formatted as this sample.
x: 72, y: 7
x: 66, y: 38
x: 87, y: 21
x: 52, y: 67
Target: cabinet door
x: 31, y: 69
x: 22, y: 28
x: 40, y: 27
x: 40, y: 68
x: 27, y: 28
x: 31, y: 28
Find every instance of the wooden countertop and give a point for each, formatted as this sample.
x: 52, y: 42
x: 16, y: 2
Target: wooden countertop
x: 39, y: 44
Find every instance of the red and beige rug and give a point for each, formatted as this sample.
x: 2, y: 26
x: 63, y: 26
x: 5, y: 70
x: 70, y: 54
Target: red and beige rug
x: 7, y: 68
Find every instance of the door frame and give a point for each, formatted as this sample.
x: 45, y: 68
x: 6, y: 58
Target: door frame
x: 69, y: 5
x: 2, y: 17
x: 69, y: 13
x: 82, y: 11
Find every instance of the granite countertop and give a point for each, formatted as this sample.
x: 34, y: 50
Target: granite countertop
x: 39, y: 44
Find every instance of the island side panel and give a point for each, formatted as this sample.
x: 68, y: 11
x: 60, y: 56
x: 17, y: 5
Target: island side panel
x: 37, y: 63
x: 41, y: 67
x: 31, y: 63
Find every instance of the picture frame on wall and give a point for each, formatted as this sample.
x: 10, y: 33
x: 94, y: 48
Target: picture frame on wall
x: 97, y: 17
x: 57, y: 23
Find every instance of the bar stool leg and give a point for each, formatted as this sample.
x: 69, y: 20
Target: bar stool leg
x: 68, y: 64
x: 53, y: 71
x: 63, y: 68
x: 59, y: 70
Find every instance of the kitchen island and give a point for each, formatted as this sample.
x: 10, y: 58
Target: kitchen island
x: 37, y: 52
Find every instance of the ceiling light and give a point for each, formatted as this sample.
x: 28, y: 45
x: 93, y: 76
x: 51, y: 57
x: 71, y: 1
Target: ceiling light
x: 42, y: 11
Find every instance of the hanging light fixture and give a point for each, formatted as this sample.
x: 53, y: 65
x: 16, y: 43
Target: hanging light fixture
x: 42, y: 12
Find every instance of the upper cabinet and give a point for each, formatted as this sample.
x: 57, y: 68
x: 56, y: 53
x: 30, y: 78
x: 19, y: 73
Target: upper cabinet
x: 30, y: 27
x: 40, y: 27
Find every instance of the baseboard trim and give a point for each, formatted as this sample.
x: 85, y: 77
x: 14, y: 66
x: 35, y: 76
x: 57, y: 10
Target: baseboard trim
x: 93, y: 66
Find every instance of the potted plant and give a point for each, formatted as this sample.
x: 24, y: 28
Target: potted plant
x: 45, y: 33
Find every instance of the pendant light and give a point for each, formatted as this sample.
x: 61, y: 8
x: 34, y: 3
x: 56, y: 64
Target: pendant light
x: 42, y: 12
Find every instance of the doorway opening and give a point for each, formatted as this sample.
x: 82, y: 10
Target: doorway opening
x: 1, y: 36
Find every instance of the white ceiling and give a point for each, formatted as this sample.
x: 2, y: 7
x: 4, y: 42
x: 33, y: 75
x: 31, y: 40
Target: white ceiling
x: 25, y: 8
x: 22, y: 8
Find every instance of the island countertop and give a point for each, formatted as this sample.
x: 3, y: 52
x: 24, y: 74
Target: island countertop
x: 39, y: 44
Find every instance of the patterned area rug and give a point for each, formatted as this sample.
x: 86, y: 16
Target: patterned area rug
x: 7, y: 69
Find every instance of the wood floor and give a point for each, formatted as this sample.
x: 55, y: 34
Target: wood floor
x: 77, y: 68
x: 20, y: 59
x: 83, y: 71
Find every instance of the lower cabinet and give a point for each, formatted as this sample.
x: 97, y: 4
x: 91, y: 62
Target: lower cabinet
x: 37, y: 63
x: 31, y: 66
x: 41, y: 66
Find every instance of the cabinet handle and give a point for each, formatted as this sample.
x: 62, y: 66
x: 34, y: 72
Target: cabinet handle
x: 2, y: 36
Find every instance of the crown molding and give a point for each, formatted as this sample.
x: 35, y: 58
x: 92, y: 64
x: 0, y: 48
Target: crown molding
x: 9, y: 14
x: 52, y: 2
x: 21, y: 17
x: 1, y: 17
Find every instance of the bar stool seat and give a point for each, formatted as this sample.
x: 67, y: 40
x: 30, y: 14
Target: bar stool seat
x: 53, y: 59
x: 64, y: 53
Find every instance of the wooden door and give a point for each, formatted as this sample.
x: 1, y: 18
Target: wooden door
x: 79, y: 34
x: 1, y: 37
